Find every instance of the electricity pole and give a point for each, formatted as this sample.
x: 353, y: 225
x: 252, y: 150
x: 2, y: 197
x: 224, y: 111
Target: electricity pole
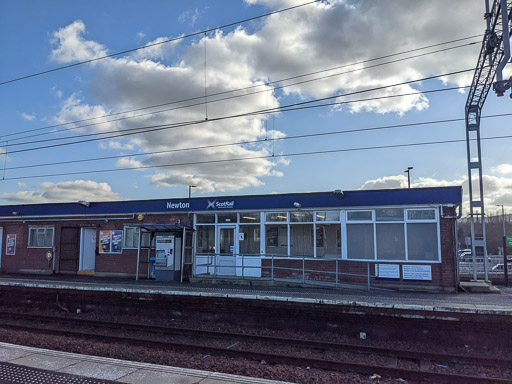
x: 494, y: 54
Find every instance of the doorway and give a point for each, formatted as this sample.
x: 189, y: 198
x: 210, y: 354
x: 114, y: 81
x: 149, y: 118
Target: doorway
x: 228, y: 250
x: 87, y: 250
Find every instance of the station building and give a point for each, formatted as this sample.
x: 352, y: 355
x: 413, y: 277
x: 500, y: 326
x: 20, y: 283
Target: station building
x: 393, y: 238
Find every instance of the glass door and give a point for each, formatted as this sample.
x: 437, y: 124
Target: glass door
x: 228, y: 249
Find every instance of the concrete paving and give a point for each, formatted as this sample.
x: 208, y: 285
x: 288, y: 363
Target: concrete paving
x: 121, y: 371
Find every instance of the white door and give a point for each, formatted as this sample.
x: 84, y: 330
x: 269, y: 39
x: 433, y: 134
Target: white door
x: 87, y: 249
x: 228, y: 249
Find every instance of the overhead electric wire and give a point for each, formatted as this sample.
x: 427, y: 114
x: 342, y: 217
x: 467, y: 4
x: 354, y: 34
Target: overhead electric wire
x: 319, y: 134
x: 239, y: 90
x: 296, y: 154
x: 160, y: 42
x: 286, y: 108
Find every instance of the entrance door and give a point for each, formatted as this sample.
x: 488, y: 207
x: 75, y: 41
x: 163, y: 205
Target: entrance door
x: 87, y: 250
x: 228, y: 249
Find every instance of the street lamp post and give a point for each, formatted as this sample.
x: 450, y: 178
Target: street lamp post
x: 190, y: 190
x: 408, y: 171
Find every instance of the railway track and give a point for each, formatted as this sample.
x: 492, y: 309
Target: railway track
x: 341, y: 357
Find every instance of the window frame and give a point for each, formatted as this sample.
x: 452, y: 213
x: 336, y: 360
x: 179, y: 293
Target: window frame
x: 37, y: 227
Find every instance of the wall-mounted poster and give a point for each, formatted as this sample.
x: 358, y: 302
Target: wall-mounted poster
x: 10, y: 244
x: 111, y: 241
x: 104, y: 241
x: 116, y: 241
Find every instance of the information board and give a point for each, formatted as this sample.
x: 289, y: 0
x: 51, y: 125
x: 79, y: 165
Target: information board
x: 387, y: 271
x: 111, y: 241
x: 417, y: 272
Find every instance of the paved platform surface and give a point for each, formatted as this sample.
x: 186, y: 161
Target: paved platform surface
x: 21, y: 365
x: 441, y: 302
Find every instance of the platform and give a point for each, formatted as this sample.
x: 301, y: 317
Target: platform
x: 20, y: 365
x: 476, y: 303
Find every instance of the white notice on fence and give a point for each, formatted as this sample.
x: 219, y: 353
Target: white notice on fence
x: 387, y: 271
x: 417, y: 272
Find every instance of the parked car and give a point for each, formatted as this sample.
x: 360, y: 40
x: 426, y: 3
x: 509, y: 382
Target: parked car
x: 501, y: 268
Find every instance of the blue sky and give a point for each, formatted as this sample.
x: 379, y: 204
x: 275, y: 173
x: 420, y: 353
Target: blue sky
x: 39, y: 36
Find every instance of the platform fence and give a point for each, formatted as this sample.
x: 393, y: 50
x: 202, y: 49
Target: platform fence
x: 285, y: 269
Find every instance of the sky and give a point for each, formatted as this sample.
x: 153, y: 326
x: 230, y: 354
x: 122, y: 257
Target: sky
x: 232, y: 110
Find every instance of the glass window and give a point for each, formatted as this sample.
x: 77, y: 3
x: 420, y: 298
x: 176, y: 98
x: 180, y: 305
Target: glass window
x: 205, y: 219
x: 250, y: 217
x: 359, y: 215
x: 276, y: 239
x: 40, y: 237
x: 301, y: 240
x: 389, y: 214
x: 328, y: 216
x: 276, y: 216
x: 226, y: 218
x: 422, y: 241
x: 328, y: 240
x: 205, y: 235
x: 390, y: 242
x: 131, y: 238
x: 301, y: 217
x: 250, y: 245
x: 421, y: 214
x: 360, y: 241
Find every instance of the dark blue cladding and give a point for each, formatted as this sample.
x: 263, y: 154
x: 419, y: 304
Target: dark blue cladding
x: 413, y: 196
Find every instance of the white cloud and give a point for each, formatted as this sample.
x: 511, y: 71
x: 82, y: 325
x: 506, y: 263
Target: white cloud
x: 128, y: 162
x: 117, y: 145
x: 66, y: 191
x: 322, y: 35
x: 71, y: 45
x: 190, y: 16
x: 502, y: 169
x: 157, y: 50
x: 386, y: 182
x: 28, y: 117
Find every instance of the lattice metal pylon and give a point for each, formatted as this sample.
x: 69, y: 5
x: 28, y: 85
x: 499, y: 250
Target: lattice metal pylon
x: 492, y: 54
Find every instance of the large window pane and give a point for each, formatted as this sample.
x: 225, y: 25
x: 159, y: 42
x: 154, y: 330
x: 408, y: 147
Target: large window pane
x: 359, y: 215
x: 40, y: 237
x: 250, y: 245
x: 328, y: 240
x: 250, y: 217
x: 422, y: 241
x: 301, y: 216
x: 328, y: 216
x: 389, y: 214
x: 360, y: 241
x: 206, y: 219
x: 205, y: 239
x: 226, y: 218
x: 301, y: 240
x: 276, y: 216
x: 390, y: 242
x: 421, y: 214
x: 276, y: 239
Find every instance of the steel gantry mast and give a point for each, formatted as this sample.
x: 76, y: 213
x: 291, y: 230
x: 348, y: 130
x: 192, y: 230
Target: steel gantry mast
x: 494, y: 55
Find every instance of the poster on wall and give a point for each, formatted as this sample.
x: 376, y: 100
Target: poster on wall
x: 111, y: 241
x: 116, y: 241
x: 104, y: 241
x: 10, y: 244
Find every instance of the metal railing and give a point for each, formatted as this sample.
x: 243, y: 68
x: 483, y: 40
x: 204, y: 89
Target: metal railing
x: 275, y: 267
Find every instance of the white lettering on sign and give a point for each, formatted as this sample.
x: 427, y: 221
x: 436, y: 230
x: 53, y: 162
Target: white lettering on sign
x: 228, y: 204
x: 179, y: 205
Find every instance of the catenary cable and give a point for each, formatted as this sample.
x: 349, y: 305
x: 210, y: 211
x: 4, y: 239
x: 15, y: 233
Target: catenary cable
x: 159, y: 43
x: 319, y: 134
x: 296, y: 154
x: 285, y: 108
x: 238, y: 90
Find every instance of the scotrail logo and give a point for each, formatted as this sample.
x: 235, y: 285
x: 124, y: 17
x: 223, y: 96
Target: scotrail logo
x: 228, y: 204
